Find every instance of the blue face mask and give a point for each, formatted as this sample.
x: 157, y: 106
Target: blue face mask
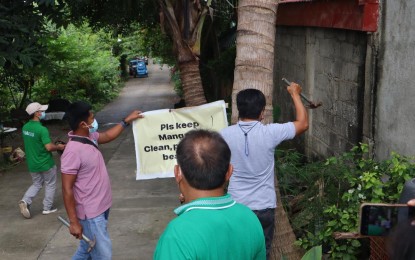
x: 43, y: 115
x: 94, y: 126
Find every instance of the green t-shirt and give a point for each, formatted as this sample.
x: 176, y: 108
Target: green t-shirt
x: 35, y: 137
x: 212, y: 228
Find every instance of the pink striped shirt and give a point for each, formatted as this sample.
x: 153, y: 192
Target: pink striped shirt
x: 92, y: 188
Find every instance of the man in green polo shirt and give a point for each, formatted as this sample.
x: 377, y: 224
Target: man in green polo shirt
x: 210, y: 225
x: 39, y: 159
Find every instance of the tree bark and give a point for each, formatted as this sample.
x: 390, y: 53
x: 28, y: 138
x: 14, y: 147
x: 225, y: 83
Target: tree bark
x: 254, y: 62
x: 187, y: 50
x: 254, y: 68
x: 191, y: 82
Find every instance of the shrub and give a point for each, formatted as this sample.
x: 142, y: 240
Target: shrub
x: 80, y: 67
x: 325, y: 196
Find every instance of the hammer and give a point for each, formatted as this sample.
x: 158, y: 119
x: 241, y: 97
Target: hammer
x: 311, y: 105
x: 90, y: 242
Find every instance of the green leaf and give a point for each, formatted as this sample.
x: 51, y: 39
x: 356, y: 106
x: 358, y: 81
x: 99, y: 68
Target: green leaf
x: 298, y: 242
x: 332, y: 223
x: 313, y: 254
x: 343, y: 247
x: 355, y: 243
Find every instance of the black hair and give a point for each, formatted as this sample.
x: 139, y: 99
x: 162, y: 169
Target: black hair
x: 77, y: 112
x: 250, y: 103
x: 204, y: 158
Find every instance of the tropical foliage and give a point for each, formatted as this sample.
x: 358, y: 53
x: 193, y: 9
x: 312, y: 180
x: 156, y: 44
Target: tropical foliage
x: 74, y: 63
x: 144, y: 41
x: 324, y: 197
x: 186, y: 23
x: 80, y: 65
x: 21, y: 27
x: 42, y: 60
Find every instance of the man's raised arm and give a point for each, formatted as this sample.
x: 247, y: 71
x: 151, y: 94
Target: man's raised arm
x: 301, y: 121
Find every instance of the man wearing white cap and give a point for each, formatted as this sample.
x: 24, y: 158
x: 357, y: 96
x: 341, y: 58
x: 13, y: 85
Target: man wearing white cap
x: 39, y: 159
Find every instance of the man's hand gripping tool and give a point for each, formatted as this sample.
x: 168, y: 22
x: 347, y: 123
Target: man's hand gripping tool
x: 311, y: 104
x: 90, y: 242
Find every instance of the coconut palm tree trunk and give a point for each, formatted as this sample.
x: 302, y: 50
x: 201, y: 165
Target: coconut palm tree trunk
x: 254, y: 68
x: 284, y: 237
x: 254, y: 62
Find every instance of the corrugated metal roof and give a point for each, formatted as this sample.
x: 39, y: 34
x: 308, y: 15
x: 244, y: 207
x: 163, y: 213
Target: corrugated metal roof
x: 299, y: 1
x: 294, y: 1
x: 361, y: 15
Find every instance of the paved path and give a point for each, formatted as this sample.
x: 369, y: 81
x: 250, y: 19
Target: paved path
x: 141, y: 209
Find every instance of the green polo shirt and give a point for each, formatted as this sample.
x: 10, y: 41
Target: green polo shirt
x: 35, y: 137
x: 212, y: 228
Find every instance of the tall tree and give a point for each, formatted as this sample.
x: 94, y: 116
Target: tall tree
x: 254, y: 68
x: 22, y: 26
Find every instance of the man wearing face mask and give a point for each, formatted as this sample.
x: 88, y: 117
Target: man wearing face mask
x: 86, y: 185
x: 39, y: 159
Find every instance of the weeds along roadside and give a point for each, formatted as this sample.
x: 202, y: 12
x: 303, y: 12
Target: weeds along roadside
x: 323, y: 197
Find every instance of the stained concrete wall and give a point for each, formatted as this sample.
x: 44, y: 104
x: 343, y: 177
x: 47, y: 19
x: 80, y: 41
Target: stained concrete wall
x: 330, y: 65
x: 395, y: 106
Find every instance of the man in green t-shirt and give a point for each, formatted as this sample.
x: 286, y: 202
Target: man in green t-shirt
x: 39, y: 159
x: 210, y: 225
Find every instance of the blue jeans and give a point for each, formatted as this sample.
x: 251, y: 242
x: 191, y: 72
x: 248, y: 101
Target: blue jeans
x: 95, y: 228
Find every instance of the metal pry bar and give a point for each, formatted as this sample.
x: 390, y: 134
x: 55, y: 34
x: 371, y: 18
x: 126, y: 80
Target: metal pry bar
x: 90, y: 242
x: 311, y: 104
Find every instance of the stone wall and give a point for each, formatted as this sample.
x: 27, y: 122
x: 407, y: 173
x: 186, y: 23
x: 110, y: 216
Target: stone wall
x: 330, y: 66
x: 395, y: 116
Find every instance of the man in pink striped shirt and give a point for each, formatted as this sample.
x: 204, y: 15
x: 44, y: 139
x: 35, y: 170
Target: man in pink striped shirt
x: 86, y: 185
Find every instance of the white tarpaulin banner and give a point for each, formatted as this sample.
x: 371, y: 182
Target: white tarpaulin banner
x: 157, y: 135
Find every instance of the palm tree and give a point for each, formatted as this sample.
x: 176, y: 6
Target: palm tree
x: 254, y: 67
x: 184, y: 21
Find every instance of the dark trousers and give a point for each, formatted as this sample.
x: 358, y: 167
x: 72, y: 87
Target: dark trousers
x: 266, y: 217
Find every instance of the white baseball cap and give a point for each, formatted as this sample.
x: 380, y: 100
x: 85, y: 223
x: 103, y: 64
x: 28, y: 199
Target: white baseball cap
x: 34, y: 107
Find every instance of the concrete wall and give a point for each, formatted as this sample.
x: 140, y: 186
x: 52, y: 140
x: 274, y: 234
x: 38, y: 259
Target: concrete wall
x: 395, y: 107
x: 330, y: 65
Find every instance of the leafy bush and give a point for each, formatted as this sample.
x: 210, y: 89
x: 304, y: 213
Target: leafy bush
x: 80, y: 67
x: 324, y: 197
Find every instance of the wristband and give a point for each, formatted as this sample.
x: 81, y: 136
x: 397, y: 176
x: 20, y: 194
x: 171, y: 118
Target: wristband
x: 124, y: 124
